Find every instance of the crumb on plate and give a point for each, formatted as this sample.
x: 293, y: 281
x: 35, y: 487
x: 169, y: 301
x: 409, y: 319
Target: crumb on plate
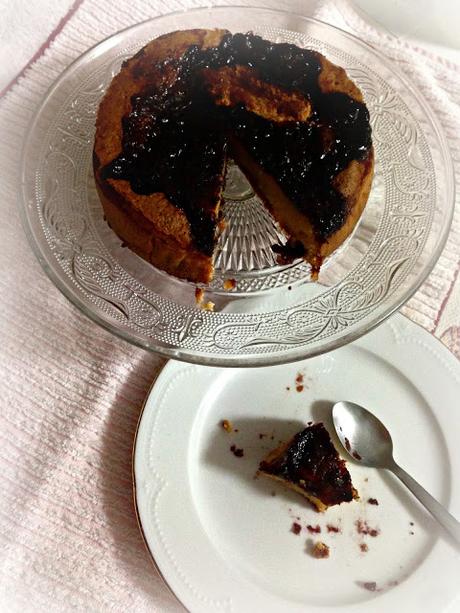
x: 227, y: 425
x: 239, y: 453
x: 371, y: 586
x: 362, y: 527
x: 320, y: 550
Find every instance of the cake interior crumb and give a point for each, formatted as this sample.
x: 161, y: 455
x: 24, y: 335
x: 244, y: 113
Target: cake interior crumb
x: 320, y: 550
x: 199, y: 295
x: 229, y: 284
x: 227, y: 425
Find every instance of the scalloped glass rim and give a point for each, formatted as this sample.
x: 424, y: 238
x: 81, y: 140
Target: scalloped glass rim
x: 234, y: 357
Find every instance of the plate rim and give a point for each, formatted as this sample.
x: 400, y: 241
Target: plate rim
x: 200, y: 357
x: 173, y: 366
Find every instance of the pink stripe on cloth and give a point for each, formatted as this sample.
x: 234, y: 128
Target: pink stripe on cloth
x: 75, y: 6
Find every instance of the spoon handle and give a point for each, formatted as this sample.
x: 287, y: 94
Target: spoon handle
x: 436, y: 509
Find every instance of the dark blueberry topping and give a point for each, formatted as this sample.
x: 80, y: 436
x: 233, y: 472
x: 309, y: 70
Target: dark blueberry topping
x: 175, y: 137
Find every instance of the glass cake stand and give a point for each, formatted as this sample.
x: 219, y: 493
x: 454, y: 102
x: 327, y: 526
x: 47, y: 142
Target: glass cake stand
x: 274, y: 314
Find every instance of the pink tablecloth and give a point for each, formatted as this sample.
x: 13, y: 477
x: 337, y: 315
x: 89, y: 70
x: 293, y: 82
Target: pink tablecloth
x: 71, y: 393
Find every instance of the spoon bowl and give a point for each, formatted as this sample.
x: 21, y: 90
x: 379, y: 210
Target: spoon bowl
x: 368, y: 441
x: 363, y: 435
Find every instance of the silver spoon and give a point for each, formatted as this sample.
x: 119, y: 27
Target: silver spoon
x: 368, y: 441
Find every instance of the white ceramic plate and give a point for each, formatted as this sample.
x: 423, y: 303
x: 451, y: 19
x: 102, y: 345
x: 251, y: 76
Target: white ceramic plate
x: 223, y: 541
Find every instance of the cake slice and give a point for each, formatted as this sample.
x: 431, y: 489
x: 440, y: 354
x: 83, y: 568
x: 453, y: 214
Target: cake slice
x: 309, y: 464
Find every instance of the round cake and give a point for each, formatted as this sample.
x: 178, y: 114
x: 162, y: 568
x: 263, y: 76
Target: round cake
x: 294, y: 123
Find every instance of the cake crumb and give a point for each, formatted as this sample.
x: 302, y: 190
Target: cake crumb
x: 411, y: 533
x: 366, y: 479
x: 199, y: 295
x: 227, y: 425
x: 331, y: 528
x: 363, y: 547
x: 289, y: 287
x: 356, y: 455
x: 347, y: 444
x: 371, y: 586
x: 239, y: 453
x: 320, y: 550
x: 362, y: 527
x: 373, y: 501
x: 411, y: 523
x: 229, y: 284
x: 288, y: 389
x: 314, y: 529
x: 199, y: 299
x: 296, y: 528
x: 299, y: 383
